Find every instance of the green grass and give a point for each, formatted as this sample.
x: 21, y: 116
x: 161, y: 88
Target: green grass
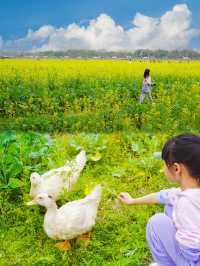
x: 118, y: 238
x: 88, y: 96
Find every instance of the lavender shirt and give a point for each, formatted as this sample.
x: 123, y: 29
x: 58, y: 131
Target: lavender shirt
x: 185, y: 215
x: 146, y: 85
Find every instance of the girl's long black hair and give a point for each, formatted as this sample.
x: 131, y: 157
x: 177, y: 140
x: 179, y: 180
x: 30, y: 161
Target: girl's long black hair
x: 146, y: 73
x: 184, y: 149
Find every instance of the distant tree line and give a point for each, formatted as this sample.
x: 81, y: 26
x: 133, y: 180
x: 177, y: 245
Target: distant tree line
x: 87, y: 54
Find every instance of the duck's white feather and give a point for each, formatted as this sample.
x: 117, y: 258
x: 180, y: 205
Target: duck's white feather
x: 56, y: 181
x: 74, y: 218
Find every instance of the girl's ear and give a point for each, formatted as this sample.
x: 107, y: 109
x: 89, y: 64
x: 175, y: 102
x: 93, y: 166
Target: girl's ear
x: 177, y: 168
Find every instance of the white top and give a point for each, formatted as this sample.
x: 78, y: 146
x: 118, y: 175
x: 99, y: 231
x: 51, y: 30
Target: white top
x: 146, y: 84
x: 185, y: 215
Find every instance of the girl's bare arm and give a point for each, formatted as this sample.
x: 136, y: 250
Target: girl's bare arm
x: 148, y: 199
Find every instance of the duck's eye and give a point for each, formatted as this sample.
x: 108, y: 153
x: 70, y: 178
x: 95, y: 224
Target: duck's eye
x: 50, y: 196
x: 39, y: 197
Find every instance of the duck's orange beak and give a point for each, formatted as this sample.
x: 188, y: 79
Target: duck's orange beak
x: 32, y: 202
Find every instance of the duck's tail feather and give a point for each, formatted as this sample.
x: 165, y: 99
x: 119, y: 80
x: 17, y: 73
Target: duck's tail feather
x: 78, y: 163
x: 80, y: 160
x: 95, y: 194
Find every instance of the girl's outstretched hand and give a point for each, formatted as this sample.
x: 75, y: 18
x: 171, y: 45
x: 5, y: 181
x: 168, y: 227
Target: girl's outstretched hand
x: 125, y: 198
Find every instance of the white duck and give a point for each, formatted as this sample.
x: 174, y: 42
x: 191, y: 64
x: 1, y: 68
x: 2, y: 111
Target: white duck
x: 72, y: 219
x: 59, y: 180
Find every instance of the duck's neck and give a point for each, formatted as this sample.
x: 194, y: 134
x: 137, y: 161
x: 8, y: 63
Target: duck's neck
x: 50, y: 220
x: 51, y: 210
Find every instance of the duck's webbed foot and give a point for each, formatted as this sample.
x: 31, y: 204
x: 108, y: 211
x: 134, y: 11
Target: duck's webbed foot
x: 84, y: 239
x: 63, y: 246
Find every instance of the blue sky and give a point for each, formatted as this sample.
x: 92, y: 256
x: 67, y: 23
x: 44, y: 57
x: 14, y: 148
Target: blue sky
x: 17, y: 16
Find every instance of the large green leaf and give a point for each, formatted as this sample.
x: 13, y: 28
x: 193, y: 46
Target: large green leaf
x: 12, y: 166
x: 15, y: 183
x: 7, y: 137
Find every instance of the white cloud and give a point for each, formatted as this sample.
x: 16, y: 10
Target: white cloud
x: 171, y: 31
x: 33, y: 39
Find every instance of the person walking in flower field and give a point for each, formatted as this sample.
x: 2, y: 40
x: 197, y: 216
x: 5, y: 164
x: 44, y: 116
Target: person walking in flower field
x: 146, y: 86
